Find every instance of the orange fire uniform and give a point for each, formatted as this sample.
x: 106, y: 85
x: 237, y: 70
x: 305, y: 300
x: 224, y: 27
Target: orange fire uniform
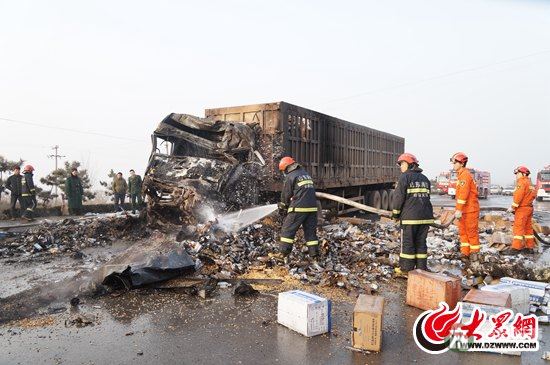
x: 523, y: 214
x: 467, y: 203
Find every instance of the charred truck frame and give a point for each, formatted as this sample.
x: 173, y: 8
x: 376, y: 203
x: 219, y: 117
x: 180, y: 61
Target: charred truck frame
x: 232, y: 156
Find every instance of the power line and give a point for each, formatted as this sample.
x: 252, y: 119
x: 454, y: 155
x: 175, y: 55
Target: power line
x: 69, y: 129
x: 445, y: 75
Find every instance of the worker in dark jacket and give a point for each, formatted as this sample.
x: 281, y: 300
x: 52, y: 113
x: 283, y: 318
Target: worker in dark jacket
x: 299, y: 204
x: 74, y: 192
x: 28, y: 193
x: 411, y: 204
x: 120, y: 187
x: 134, y: 190
x: 13, y: 184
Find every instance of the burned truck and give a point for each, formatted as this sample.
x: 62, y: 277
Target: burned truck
x: 231, y: 156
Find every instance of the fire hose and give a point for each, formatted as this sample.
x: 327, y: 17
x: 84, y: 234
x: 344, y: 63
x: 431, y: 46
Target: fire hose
x: 388, y: 214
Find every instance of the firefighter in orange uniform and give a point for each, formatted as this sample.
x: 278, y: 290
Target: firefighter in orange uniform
x: 467, y: 207
x: 524, y: 194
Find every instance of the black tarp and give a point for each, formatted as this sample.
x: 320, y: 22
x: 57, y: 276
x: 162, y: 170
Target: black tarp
x: 158, y: 268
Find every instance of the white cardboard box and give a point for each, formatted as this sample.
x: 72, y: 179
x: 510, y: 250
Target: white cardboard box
x: 305, y: 313
x: 537, y: 289
x: 519, y: 295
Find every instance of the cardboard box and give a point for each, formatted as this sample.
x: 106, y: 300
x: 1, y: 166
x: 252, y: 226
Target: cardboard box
x: 537, y: 290
x: 467, y: 311
x: 425, y: 290
x: 489, y: 298
x: 367, y: 323
x: 518, y: 294
x: 304, y: 313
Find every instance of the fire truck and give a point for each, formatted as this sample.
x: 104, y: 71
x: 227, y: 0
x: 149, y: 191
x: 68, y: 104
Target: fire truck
x: 481, y: 178
x: 543, y: 184
x: 442, y: 183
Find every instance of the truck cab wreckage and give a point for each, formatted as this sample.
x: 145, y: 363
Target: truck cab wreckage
x: 228, y: 160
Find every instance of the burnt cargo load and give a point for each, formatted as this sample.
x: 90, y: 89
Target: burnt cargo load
x: 230, y: 158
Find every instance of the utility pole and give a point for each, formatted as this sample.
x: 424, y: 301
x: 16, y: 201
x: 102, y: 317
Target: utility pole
x: 56, y: 156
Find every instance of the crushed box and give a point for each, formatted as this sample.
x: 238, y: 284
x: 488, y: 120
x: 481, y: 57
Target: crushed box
x: 304, y: 313
x: 519, y: 295
x: 425, y: 290
x: 490, y: 298
x: 367, y: 323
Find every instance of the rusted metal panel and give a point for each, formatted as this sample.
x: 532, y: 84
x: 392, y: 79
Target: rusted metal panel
x: 336, y: 153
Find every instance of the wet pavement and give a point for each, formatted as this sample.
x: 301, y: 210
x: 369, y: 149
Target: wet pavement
x: 164, y: 327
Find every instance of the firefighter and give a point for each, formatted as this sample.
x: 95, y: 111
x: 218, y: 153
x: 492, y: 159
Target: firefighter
x: 74, y: 192
x: 412, y: 206
x: 13, y: 184
x: 467, y: 208
x: 298, y: 206
x: 28, y: 193
x: 522, y: 207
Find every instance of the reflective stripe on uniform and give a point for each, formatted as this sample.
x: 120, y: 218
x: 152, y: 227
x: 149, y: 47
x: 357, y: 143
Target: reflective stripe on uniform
x: 302, y: 210
x: 25, y: 194
x: 474, y: 247
x: 515, y: 205
x: 518, y: 237
x: 30, y: 209
x: 421, y: 255
x: 460, y: 201
x: 305, y: 182
x: 407, y: 256
x: 418, y: 190
x: 287, y: 240
x: 312, y: 243
x: 396, y: 211
x: 417, y: 221
x: 464, y: 244
x: 528, y: 236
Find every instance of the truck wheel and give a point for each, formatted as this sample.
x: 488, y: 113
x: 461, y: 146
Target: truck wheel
x: 375, y: 199
x: 391, y: 194
x: 452, y: 197
x: 385, y: 199
x: 539, y: 198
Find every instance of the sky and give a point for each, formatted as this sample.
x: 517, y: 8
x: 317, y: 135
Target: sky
x: 464, y: 75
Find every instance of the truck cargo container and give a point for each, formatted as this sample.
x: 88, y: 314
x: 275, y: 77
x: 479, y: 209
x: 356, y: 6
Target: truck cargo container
x: 232, y: 154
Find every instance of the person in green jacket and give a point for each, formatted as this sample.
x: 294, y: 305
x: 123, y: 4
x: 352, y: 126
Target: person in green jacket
x: 74, y: 192
x: 134, y: 190
x: 120, y: 187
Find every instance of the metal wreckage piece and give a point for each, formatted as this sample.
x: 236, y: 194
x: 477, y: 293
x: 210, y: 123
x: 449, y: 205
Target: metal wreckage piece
x: 205, y: 161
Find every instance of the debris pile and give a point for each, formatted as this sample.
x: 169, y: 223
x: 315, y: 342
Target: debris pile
x: 71, y: 235
x: 354, y: 256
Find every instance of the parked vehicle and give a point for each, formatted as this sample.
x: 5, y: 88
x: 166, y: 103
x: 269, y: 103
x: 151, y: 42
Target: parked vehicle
x: 509, y: 190
x: 496, y: 190
x: 543, y: 184
x: 481, y: 178
x: 442, y: 183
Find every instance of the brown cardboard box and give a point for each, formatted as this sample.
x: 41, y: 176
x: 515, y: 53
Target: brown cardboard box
x: 497, y: 299
x: 367, y: 323
x: 425, y: 290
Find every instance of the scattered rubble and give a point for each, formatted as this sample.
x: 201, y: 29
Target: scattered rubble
x: 71, y: 236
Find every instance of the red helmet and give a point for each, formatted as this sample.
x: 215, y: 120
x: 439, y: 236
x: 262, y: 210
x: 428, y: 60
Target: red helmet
x: 459, y: 157
x: 286, y: 162
x: 408, y: 158
x: 522, y: 169
x: 28, y: 168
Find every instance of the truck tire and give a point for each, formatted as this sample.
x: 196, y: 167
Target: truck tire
x: 375, y: 199
x: 385, y: 199
x: 391, y: 194
x: 539, y: 198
